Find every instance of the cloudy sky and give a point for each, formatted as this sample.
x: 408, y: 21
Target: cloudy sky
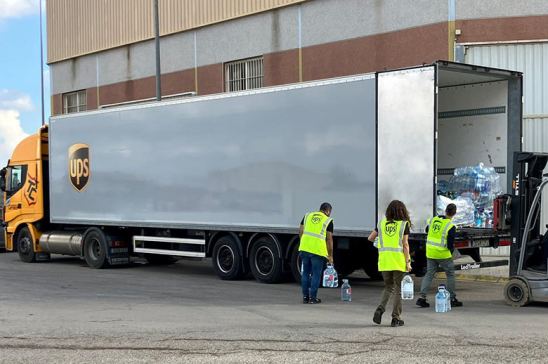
x: 20, y: 110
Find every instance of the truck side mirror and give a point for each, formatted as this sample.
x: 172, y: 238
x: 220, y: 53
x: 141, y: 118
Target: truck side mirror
x: 3, y: 179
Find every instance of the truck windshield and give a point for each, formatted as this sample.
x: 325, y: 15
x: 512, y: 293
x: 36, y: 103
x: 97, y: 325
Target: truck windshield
x: 15, y: 178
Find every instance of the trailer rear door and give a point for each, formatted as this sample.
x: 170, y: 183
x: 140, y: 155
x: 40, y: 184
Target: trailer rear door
x: 405, y: 152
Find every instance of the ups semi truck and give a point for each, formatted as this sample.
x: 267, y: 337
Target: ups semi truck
x: 230, y: 176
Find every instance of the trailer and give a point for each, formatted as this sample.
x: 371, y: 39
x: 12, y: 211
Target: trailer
x: 230, y: 176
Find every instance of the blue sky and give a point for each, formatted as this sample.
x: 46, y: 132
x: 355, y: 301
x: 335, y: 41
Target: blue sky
x: 20, y: 110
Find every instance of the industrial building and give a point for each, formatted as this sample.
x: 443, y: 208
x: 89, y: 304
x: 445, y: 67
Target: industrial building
x: 102, y: 53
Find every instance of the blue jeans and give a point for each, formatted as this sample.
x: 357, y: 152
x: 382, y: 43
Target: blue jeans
x: 312, y: 265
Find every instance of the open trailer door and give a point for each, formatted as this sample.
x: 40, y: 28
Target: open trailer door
x: 406, y: 108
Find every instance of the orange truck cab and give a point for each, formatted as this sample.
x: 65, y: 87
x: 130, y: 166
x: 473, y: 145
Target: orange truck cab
x: 22, y: 182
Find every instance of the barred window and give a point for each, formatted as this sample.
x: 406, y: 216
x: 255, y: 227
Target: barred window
x: 74, y: 102
x: 245, y: 74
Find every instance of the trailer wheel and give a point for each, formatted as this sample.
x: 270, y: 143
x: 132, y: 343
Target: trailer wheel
x: 372, y: 272
x: 516, y: 293
x: 296, y: 264
x: 370, y: 265
x: 95, y: 249
x: 265, y: 262
x: 25, y: 246
x: 226, y: 258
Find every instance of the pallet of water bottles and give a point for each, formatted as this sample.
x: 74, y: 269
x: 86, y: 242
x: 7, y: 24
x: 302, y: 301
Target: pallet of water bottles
x: 472, y: 189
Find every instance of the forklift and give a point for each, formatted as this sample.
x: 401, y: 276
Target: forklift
x: 529, y: 249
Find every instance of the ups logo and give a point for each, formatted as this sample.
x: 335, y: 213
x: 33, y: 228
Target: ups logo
x: 78, y: 155
x: 390, y: 229
x: 436, y: 227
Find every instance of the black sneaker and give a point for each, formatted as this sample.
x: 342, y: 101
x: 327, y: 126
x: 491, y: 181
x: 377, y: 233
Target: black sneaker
x: 456, y: 303
x: 396, y: 322
x: 377, y: 316
x: 306, y: 299
x: 422, y: 302
x: 314, y: 300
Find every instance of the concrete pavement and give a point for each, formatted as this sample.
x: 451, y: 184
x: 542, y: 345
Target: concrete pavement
x: 63, y: 311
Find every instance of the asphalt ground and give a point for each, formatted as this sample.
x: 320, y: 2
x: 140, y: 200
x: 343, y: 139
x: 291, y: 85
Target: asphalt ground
x: 64, y: 312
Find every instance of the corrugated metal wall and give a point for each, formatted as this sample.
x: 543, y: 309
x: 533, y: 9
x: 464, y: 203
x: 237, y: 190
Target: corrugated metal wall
x: 532, y: 60
x: 78, y: 27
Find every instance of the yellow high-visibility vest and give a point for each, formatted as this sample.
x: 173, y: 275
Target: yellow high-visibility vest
x: 436, y: 241
x: 314, y: 233
x: 390, y: 245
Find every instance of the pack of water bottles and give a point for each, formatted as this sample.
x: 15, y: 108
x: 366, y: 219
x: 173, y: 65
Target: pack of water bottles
x: 443, y: 299
x: 473, y: 189
x: 407, y: 288
x: 330, y: 277
x: 465, y: 210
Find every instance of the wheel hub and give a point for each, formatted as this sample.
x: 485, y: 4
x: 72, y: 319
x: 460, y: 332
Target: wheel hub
x: 25, y: 245
x: 225, y: 258
x: 95, y: 249
x: 264, y: 260
x: 515, y: 293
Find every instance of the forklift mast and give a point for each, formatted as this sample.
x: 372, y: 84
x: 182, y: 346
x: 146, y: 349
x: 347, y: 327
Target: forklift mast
x: 528, y: 172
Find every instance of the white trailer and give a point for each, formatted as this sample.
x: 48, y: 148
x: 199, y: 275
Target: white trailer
x: 230, y: 176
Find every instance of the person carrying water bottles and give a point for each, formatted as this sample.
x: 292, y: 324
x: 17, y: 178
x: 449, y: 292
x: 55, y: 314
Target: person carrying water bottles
x: 316, y: 244
x: 394, y: 260
x: 439, y: 253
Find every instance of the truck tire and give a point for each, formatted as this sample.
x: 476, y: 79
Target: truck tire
x: 25, y: 246
x: 372, y: 271
x: 227, y: 259
x: 154, y: 259
x: 264, y: 261
x: 95, y: 249
x: 516, y: 293
x: 371, y: 266
x: 295, y: 263
x: 343, y: 263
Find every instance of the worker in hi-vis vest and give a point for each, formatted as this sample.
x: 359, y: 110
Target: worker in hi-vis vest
x: 392, y: 240
x: 316, y: 245
x: 439, y: 253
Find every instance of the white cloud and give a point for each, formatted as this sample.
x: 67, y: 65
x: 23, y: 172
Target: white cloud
x: 13, y: 100
x: 18, y: 8
x: 11, y: 133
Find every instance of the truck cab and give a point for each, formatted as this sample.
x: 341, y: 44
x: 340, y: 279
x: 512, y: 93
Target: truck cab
x: 22, y: 184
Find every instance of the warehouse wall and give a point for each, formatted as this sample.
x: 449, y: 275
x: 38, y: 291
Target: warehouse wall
x: 337, y: 37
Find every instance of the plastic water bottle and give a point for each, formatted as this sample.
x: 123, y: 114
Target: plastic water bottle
x: 346, y: 291
x: 447, y: 296
x: 407, y: 288
x: 330, y: 278
x: 441, y: 301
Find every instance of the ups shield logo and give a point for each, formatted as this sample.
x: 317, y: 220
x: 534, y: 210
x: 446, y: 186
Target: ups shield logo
x: 79, y: 172
x: 390, y: 229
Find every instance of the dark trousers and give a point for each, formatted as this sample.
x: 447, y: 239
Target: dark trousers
x: 392, y: 287
x: 312, y: 267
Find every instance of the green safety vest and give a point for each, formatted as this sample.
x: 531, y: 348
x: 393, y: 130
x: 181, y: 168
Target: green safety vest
x: 314, y: 233
x: 390, y: 245
x: 436, y: 241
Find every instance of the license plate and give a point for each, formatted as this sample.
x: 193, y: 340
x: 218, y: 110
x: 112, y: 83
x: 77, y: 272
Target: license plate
x: 480, y: 243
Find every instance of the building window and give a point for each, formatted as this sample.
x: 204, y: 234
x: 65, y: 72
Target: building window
x: 74, y: 102
x: 244, y: 75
